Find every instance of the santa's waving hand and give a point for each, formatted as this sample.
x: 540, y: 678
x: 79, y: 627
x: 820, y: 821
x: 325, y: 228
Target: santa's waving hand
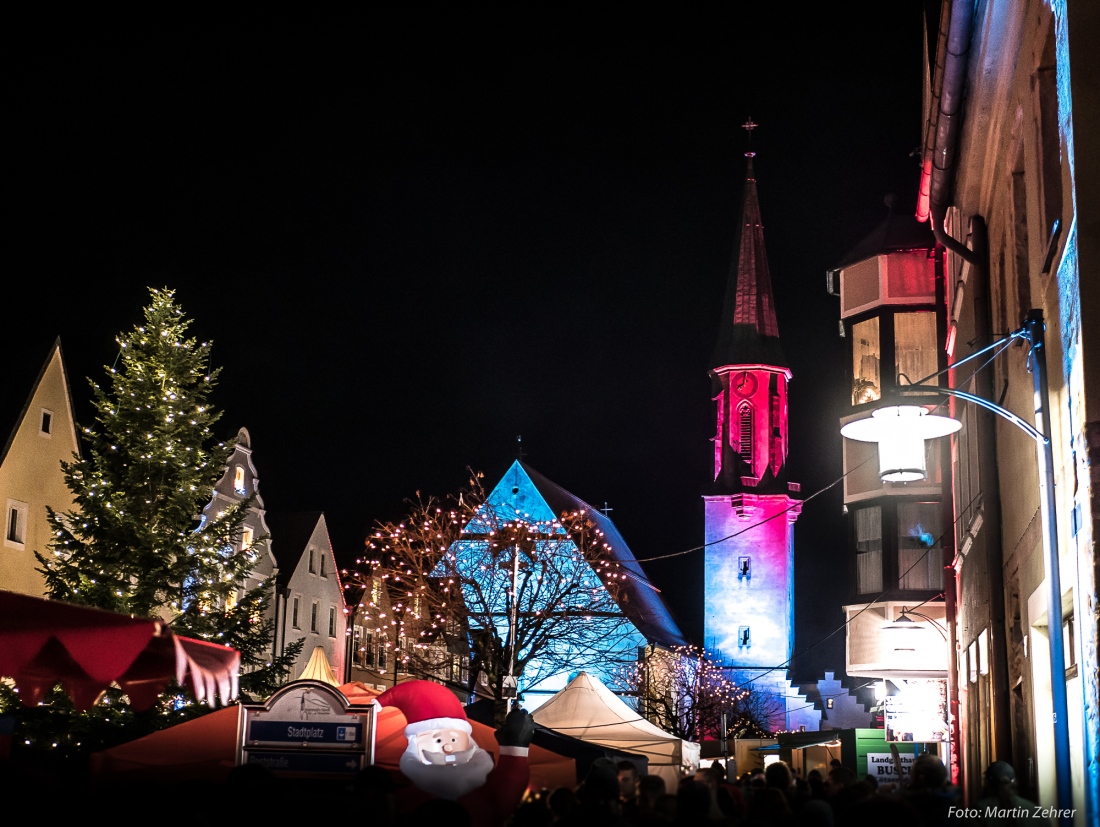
x: 443, y: 759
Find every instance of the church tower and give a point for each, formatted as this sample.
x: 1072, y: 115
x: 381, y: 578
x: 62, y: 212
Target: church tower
x: 750, y: 505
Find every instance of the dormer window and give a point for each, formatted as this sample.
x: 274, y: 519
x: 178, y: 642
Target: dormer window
x: 238, y: 480
x: 312, y: 561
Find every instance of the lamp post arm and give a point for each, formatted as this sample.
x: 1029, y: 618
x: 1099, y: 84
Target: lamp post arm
x: 935, y: 625
x: 1016, y: 334
x: 1004, y: 413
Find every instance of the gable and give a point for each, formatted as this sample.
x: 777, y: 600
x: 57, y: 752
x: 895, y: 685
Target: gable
x: 529, y: 496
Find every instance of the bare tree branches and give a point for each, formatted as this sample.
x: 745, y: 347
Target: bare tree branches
x: 449, y: 568
x: 685, y: 691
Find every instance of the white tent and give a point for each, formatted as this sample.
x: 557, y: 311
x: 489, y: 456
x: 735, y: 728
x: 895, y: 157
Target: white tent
x: 588, y: 710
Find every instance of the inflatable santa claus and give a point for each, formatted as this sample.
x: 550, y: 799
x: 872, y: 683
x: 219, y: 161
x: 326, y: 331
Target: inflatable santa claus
x: 443, y: 761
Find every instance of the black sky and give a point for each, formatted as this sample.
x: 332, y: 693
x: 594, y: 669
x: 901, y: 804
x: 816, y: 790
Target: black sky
x: 413, y: 240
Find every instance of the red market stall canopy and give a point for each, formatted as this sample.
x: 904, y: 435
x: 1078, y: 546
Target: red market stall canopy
x: 46, y: 642
x: 205, y: 750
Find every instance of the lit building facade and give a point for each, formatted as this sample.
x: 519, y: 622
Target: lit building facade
x: 43, y: 435
x: 1010, y: 186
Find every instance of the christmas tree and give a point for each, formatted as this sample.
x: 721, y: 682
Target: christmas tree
x: 134, y: 543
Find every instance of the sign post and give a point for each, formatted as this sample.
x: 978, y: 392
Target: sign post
x: 307, y: 729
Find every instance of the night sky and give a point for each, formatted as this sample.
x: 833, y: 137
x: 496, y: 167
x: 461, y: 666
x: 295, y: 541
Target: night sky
x: 415, y: 240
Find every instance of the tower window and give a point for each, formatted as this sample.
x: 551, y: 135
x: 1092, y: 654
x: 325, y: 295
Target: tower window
x: 869, y: 549
x: 828, y: 703
x: 46, y: 428
x: 743, y: 567
x: 744, y: 426
x: 915, y: 354
x: 920, y: 555
x: 743, y: 638
x: 866, y: 353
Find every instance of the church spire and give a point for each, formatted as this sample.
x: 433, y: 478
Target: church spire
x: 748, y: 333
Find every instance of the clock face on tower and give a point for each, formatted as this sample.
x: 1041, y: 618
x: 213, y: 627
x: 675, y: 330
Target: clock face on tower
x: 743, y: 383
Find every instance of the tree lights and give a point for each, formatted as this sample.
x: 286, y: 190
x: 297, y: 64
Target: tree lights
x: 131, y: 544
x: 464, y: 573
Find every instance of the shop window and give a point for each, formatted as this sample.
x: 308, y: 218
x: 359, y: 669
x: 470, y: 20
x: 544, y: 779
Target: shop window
x: 869, y: 549
x: 866, y: 357
x: 915, y: 354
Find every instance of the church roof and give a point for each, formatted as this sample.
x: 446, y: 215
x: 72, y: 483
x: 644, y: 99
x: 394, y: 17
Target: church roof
x: 530, y: 493
x: 526, y: 489
x: 748, y: 333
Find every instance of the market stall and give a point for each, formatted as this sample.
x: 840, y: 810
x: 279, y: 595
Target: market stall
x: 588, y: 710
x: 49, y: 642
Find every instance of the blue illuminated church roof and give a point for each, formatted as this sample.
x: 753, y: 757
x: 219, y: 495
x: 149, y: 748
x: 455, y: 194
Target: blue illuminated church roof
x: 524, y: 490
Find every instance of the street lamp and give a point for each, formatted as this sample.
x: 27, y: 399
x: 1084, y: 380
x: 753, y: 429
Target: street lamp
x: 900, y: 431
x: 906, y: 623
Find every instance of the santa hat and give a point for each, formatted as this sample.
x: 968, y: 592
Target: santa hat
x: 426, y: 706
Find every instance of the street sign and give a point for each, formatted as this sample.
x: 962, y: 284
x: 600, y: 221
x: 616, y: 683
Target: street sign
x: 307, y: 729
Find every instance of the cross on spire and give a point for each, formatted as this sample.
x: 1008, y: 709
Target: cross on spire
x: 749, y: 126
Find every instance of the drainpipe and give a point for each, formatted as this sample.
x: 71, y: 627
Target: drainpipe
x: 936, y: 188
x: 950, y: 86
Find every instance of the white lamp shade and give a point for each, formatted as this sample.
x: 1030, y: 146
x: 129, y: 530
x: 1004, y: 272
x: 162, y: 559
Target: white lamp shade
x: 900, y: 431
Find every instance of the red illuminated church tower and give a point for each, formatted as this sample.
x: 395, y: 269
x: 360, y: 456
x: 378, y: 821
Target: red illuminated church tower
x: 751, y: 506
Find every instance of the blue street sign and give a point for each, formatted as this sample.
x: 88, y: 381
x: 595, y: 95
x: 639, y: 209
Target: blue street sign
x: 320, y: 733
